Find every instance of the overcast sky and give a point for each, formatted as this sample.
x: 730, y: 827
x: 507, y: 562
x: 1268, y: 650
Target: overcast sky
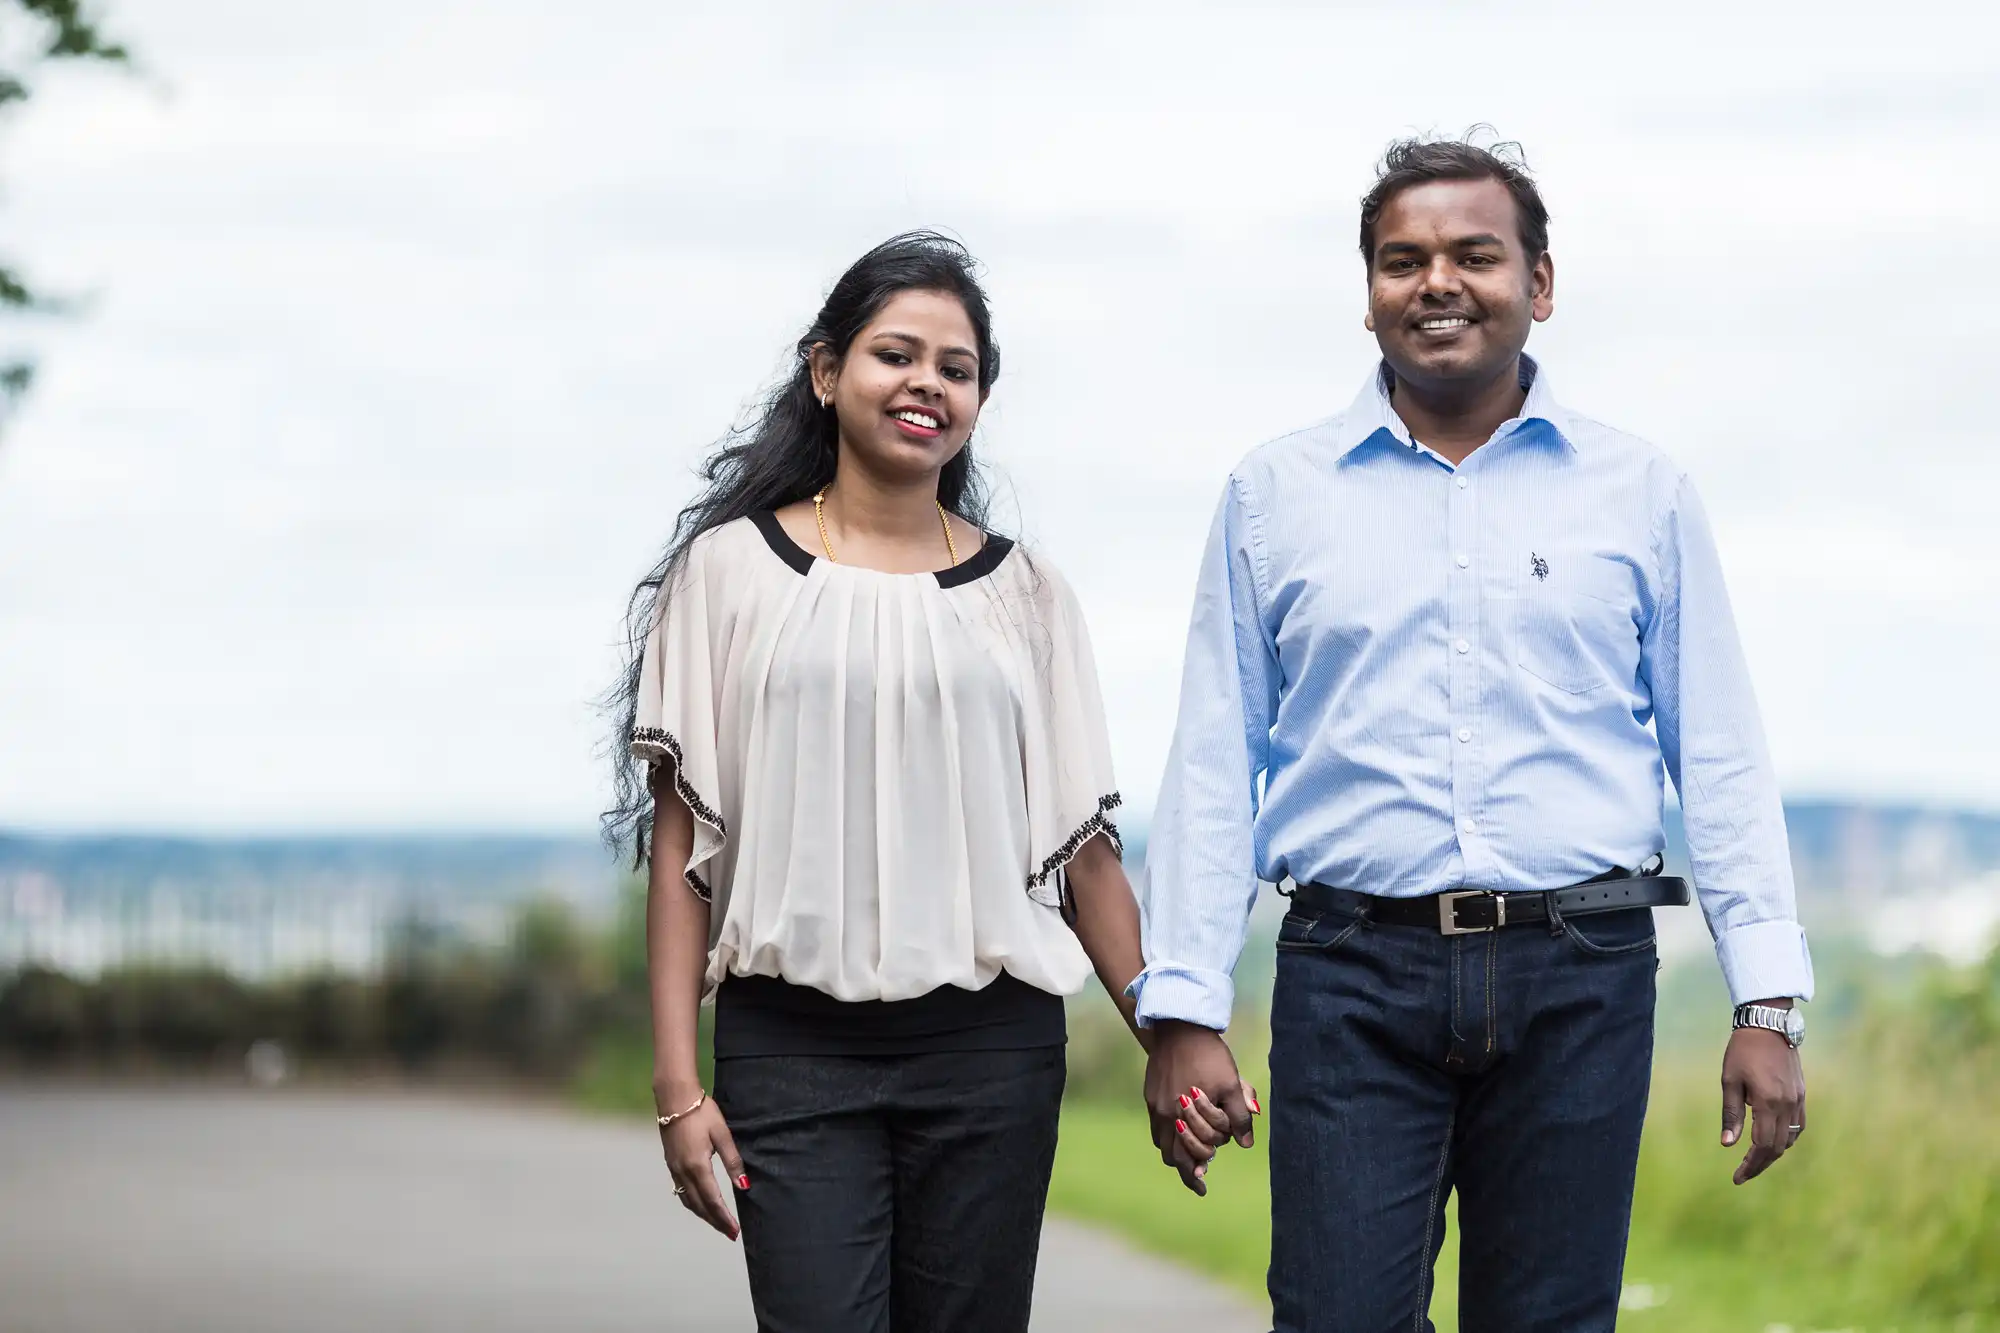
x: 411, y: 322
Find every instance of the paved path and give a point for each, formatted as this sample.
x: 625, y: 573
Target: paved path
x: 175, y: 1210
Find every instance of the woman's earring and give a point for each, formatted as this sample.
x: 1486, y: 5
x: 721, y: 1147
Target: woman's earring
x: 826, y: 400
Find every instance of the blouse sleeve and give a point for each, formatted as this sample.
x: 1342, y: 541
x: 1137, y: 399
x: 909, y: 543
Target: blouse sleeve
x: 1071, y: 792
x: 676, y: 721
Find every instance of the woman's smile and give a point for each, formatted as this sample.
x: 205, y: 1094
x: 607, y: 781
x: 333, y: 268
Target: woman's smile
x: 918, y: 423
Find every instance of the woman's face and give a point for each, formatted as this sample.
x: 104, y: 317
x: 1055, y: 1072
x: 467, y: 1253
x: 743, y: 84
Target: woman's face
x: 908, y: 389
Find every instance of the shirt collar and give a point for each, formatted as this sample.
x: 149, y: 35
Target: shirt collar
x: 1372, y: 412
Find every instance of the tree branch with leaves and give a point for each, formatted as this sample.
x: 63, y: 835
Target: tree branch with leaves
x: 33, y: 34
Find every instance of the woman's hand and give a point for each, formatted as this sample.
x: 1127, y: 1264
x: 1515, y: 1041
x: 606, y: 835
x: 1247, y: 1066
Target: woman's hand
x: 690, y: 1143
x: 1201, y: 1129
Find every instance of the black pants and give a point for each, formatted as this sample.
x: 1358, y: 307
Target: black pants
x: 893, y: 1194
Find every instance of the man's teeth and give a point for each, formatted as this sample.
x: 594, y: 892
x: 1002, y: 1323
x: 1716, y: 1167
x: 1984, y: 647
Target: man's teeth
x: 1454, y: 322
x: 917, y: 419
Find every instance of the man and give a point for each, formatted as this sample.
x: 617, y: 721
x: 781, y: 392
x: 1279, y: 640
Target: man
x: 1428, y: 640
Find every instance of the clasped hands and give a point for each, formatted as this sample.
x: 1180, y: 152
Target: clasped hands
x: 1195, y: 1099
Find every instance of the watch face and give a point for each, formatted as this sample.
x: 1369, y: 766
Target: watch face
x: 1795, y: 1027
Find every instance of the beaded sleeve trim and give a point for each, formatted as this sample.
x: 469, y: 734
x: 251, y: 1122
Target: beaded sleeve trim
x: 1090, y: 828
x: 658, y: 745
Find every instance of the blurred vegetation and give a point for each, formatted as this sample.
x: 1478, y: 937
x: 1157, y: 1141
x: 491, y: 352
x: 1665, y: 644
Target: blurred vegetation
x: 532, y: 1008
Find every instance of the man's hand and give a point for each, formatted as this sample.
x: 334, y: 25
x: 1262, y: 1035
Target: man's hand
x: 1195, y: 1098
x: 1761, y: 1070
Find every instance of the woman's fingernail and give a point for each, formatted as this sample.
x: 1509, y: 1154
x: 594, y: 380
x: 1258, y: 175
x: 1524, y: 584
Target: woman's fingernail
x: 1186, y: 1102
x: 1254, y: 1108
x: 1181, y: 1125
x: 743, y: 1182
x: 1194, y: 1092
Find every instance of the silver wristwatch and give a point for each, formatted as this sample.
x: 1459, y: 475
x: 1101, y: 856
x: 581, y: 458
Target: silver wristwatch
x: 1787, y: 1023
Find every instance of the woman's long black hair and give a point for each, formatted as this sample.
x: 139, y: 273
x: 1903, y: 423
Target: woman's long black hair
x: 786, y: 453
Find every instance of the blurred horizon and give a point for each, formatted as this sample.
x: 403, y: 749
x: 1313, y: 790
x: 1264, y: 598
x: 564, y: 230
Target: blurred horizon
x: 1896, y: 878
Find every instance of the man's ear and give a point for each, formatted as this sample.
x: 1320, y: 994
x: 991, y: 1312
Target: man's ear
x: 1542, y: 285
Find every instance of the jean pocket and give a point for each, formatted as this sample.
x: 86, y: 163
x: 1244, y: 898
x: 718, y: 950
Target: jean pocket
x: 1612, y: 934
x: 1304, y: 932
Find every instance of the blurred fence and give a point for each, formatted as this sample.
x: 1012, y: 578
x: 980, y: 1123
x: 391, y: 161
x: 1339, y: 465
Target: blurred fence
x: 246, y: 933
x: 265, y: 908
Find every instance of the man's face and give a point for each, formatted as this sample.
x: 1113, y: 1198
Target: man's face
x: 1451, y: 293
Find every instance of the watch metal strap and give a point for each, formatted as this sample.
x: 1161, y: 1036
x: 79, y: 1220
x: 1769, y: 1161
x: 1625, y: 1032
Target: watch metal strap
x: 1763, y: 1016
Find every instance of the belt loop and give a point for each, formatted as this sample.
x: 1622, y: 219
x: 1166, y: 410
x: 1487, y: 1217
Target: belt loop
x: 1555, y: 914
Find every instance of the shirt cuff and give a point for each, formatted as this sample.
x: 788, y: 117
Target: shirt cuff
x: 1765, y: 960
x: 1190, y: 994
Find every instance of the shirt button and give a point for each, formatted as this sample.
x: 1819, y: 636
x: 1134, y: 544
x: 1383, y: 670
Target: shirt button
x: 1463, y: 646
x: 1465, y: 733
x: 1464, y: 561
x: 1465, y: 826
x: 1463, y: 483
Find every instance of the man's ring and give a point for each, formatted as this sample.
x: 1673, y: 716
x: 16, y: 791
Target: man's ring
x: 1796, y: 1128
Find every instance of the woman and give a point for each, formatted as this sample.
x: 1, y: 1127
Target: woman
x: 881, y: 834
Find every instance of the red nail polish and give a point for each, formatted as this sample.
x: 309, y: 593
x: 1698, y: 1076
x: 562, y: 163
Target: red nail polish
x: 1194, y: 1092
x: 1181, y: 1125
x: 743, y: 1182
x: 1254, y: 1108
x: 1186, y: 1102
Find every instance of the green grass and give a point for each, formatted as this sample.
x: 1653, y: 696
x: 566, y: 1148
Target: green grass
x: 617, y: 1074
x: 1880, y: 1222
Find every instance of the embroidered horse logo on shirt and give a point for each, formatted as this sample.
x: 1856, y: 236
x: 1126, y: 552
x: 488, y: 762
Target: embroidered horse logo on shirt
x: 1538, y: 566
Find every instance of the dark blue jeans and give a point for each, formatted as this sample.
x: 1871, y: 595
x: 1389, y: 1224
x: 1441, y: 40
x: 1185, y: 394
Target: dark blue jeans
x: 1511, y: 1067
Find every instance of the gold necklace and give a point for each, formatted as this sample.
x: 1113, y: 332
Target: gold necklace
x: 819, y: 513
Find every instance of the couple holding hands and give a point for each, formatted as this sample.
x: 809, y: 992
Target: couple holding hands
x: 1445, y: 648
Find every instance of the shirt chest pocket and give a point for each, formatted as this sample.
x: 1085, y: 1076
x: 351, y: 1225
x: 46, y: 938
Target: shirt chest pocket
x: 1573, y: 622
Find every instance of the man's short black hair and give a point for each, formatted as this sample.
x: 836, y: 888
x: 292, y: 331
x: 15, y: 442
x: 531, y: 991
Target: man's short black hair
x: 1411, y: 162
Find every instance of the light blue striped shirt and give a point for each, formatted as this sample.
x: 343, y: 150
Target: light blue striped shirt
x: 1404, y: 678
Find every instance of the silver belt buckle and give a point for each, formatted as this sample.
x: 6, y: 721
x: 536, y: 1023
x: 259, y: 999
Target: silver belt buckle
x: 1448, y: 912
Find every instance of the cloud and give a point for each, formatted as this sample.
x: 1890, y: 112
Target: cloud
x: 412, y: 323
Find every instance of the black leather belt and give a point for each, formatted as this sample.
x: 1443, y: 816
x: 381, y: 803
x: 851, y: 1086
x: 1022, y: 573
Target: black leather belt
x: 1475, y: 911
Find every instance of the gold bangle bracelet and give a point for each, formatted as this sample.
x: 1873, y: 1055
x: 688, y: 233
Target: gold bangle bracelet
x: 699, y: 1102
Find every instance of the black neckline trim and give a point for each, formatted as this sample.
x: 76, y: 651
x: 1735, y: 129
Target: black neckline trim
x: 976, y: 566
x: 780, y: 541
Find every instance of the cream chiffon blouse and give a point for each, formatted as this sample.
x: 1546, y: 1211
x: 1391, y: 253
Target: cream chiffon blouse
x: 888, y: 772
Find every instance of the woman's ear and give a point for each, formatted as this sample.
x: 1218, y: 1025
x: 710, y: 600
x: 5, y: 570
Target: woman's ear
x: 825, y: 369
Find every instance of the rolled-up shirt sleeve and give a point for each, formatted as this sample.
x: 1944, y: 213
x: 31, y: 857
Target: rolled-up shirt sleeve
x: 1713, y: 742
x: 1201, y: 878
